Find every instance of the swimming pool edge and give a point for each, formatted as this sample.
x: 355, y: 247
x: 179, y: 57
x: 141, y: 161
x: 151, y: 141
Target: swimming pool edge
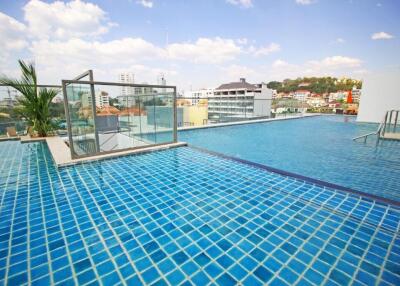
x: 248, y: 121
x: 314, y: 181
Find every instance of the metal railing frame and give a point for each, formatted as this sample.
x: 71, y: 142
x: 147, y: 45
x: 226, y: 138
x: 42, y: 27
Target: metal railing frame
x: 382, y: 128
x: 92, y: 83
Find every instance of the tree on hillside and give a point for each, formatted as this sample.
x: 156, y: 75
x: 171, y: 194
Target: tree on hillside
x: 315, y: 84
x: 274, y: 85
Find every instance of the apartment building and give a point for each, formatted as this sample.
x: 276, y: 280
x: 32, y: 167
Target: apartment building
x: 126, y: 77
x: 239, y: 100
x: 301, y: 94
x: 102, y: 99
x: 197, y: 95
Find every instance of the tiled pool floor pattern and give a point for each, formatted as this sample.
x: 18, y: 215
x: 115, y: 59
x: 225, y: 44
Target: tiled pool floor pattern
x: 319, y: 147
x: 183, y: 217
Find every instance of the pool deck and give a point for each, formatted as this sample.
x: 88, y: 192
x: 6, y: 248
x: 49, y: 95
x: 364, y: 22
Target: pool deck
x: 62, y: 156
x: 391, y: 136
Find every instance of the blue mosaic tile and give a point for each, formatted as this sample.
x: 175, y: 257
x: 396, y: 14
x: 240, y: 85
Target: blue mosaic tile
x: 184, y: 217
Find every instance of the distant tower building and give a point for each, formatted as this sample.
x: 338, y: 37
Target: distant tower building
x: 101, y: 97
x: 162, y: 81
x: 127, y: 77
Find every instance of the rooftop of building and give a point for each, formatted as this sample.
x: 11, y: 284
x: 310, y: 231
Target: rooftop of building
x: 241, y: 84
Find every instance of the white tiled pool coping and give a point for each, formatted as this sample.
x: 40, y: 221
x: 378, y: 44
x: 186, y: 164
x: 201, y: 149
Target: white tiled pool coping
x: 248, y: 121
x: 62, y: 155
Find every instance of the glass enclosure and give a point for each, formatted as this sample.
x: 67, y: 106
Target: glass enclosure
x: 81, y: 119
x: 108, y: 117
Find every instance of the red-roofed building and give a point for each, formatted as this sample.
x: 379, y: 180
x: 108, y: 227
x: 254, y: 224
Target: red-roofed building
x: 301, y: 94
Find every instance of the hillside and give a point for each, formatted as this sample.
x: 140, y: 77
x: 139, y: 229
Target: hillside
x: 315, y: 84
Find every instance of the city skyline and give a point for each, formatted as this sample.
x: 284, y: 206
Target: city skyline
x: 200, y: 44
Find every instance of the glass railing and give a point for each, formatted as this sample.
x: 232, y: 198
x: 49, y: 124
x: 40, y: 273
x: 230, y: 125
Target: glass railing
x: 193, y: 112
x: 107, y: 117
x: 7, y: 128
x: 12, y: 118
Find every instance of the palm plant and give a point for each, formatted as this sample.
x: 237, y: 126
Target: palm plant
x: 34, y: 103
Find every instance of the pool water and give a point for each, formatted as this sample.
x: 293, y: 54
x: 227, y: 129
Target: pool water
x: 184, y: 217
x: 319, y: 147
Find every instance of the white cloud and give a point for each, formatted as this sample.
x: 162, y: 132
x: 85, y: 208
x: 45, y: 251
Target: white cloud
x: 305, y: 2
x: 126, y: 50
x: 340, y: 40
x: 146, y: 3
x: 64, y: 39
x: 264, y: 51
x: 361, y: 72
x: 12, y: 33
x: 234, y: 72
x: 242, y: 3
x: 144, y: 73
x: 335, y: 62
x: 57, y: 60
x: 332, y: 66
x: 280, y: 63
x: 242, y: 41
x: 61, y: 20
x: 381, y: 36
x: 205, y: 50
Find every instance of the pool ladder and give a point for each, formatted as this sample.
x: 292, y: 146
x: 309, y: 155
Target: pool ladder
x: 387, y: 129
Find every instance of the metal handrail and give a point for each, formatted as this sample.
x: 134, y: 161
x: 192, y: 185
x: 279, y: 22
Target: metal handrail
x: 365, y: 136
x: 388, y: 124
x: 383, y: 126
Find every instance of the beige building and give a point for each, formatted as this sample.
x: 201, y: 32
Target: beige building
x: 192, y: 115
x: 195, y: 115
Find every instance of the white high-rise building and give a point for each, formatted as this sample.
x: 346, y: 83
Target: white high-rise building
x: 127, y: 77
x: 101, y: 97
x: 196, y: 95
x: 240, y: 100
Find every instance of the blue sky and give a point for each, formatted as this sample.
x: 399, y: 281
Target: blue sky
x: 201, y: 43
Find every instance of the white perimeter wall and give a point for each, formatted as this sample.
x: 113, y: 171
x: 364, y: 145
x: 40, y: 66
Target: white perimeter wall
x: 262, y: 102
x: 380, y: 92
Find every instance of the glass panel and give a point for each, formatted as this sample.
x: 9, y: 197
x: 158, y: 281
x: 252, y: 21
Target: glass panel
x: 81, y: 119
x: 134, y: 117
x: 11, y: 118
x: 126, y: 117
x: 164, y: 115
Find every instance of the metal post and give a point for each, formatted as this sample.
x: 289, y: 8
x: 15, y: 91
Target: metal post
x: 384, y: 124
x: 175, y: 117
x: 96, y: 132
x: 67, y: 116
x: 395, y: 122
x: 155, y: 119
x: 140, y: 117
x: 390, y: 119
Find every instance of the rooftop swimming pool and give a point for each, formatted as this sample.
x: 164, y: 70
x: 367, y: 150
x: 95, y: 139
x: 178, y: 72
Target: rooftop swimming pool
x: 319, y: 147
x: 185, y: 217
